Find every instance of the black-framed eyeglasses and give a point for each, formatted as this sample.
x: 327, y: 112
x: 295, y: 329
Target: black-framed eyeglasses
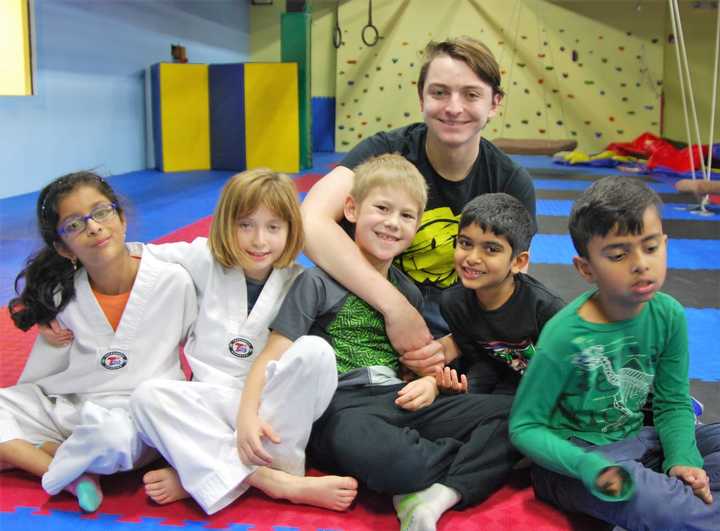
x: 77, y: 224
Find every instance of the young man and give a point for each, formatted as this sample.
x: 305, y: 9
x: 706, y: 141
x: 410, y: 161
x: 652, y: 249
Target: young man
x: 433, y: 452
x: 459, y: 90
x: 577, y: 412
x: 496, y: 312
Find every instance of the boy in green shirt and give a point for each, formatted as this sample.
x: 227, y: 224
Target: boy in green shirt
x: 577, y: 411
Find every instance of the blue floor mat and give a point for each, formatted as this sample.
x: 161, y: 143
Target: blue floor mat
x: 682, y: 254
x: 703, y: 324
x: 163, y: 202
x: 567, y: 184
x: 562, y: 207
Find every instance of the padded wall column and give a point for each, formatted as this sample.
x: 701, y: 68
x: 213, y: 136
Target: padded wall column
x: 181, y: 116
x: 227, y: 117
x: 272, y: 122
x: 295, y: 47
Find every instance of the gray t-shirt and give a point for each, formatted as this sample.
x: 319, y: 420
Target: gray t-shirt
x: 254, y: 288
x: 317, y: 305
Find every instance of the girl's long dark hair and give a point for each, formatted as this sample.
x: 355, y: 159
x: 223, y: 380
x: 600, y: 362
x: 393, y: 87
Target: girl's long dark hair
x: 48, y: 278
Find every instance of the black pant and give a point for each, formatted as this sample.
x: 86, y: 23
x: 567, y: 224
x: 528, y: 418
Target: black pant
x: 460, y: 441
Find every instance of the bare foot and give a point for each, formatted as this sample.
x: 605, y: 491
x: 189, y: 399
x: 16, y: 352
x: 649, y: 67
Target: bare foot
x: 163, y: 486
x: 329, y: 492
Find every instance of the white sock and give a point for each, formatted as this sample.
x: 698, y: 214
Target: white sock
x: 420, y: 511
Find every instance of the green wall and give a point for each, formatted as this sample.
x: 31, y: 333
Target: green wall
x: 265, y: 41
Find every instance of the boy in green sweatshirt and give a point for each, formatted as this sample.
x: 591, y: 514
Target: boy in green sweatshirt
x: 577, y: 411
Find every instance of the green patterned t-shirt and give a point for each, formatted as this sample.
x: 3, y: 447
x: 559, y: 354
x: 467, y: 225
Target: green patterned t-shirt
x: 317, y: 305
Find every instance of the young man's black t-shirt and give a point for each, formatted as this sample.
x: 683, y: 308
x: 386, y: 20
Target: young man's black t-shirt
x: 429, y: 260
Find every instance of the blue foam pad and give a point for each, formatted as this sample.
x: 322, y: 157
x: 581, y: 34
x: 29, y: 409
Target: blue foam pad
x: 562, y: 207
x: 703, y: 324
x: 682, y: 253
x: 157, y: 123
x: 566, y: 184
x: 323, y: 124
x: 227, y: 116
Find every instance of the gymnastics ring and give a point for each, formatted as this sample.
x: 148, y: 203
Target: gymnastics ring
x: 337, y: 36
x: 370, y: 26
x: 376, y: 35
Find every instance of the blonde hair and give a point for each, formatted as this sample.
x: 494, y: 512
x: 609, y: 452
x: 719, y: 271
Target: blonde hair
x: 390, y: 170
x: 242, y: 195
x: 470, y: 51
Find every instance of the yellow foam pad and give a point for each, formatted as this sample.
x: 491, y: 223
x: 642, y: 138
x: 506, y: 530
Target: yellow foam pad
x: 272, y: 116
x: 185, y: 117
x: 15, y: 63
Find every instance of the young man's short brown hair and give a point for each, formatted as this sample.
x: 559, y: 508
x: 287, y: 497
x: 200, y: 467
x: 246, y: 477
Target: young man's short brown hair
x: 242, y: 195
x: 390, y: 170
x: 470, y: 51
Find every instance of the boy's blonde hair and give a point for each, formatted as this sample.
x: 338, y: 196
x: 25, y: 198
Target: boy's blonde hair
x: 242, y: 195
x: 470, y: 51
x: 390, y: 170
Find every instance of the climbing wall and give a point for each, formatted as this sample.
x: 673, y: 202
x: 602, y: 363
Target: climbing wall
x: 589, y: 71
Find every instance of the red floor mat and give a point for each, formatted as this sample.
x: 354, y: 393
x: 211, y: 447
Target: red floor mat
x: 512, y: 508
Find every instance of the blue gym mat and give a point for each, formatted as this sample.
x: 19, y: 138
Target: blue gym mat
x: 562, y: 207
x: 682, y: 253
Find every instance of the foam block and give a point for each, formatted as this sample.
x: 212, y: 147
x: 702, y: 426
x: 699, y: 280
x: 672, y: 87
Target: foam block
x: 227, y: 116
x: 271, y: 116
x: 323, y: 124
x: 181, y: 104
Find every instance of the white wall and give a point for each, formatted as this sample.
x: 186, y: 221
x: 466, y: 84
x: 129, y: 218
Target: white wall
x: 89, y: 107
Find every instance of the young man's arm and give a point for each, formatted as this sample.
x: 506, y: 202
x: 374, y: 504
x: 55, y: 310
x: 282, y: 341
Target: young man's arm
x: 537, y: 397
x: 426, y: 361
x: 250, y: 427
x: 327, y: 244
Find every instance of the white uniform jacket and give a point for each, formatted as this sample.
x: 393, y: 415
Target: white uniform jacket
x: 104, y: 365
x: 225, y: 340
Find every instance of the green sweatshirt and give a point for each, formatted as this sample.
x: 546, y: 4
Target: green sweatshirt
x: 589, y: 381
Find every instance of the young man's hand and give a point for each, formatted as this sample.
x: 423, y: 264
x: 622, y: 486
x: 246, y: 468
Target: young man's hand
x: 250, y: 430
x: 696, y: 478
x: 447, y: 380
x: 56, y: 335
x: 406, y: 328
x: 426, y: 360
x: 610, y: 481
x: 417, y: 394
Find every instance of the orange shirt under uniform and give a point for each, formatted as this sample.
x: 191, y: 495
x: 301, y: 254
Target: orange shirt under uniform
x: 112, y: 306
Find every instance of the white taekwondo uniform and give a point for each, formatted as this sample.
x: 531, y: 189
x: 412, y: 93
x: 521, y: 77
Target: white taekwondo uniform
x: 79, y: 395
x: 192, y: 424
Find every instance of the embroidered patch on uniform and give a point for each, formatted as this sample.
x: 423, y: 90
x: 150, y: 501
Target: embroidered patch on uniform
x: 240, y: 347
x: 114, y: 360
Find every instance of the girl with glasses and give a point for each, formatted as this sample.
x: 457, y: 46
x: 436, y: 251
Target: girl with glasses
x: 242, y: 273
x: 68, y: 417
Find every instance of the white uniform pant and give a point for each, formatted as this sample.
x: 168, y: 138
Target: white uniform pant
x: 192, y: 424
x: 95, y: 436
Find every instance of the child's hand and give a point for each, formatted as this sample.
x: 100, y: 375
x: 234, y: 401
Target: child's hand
x: 610, y: 481
x: 250, y: 430
x: 425, y: 360
x: 417, y: 394
x: 56, y: 335
x: 447, y: 380
x: 696, y: 478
